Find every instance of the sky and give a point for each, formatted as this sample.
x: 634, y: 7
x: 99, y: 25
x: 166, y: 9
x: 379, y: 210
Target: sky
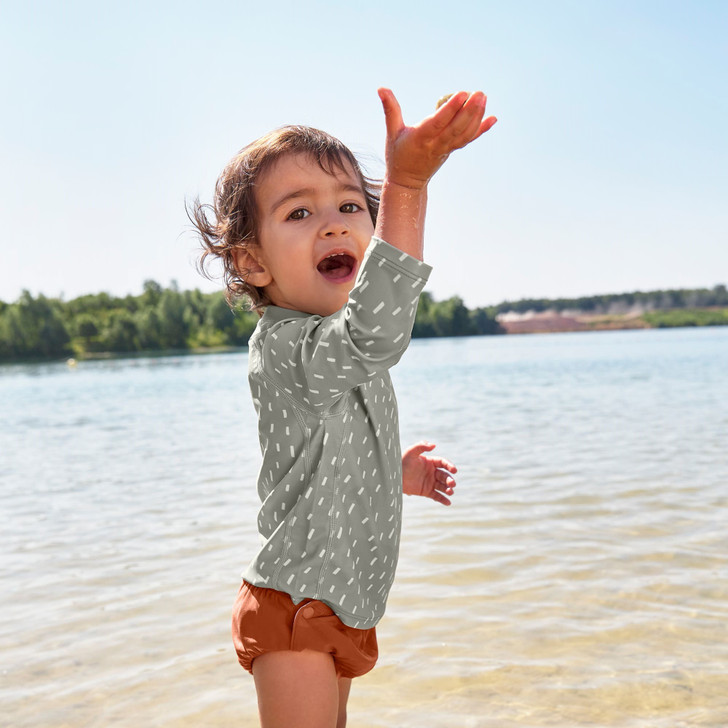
x: 606, y: 171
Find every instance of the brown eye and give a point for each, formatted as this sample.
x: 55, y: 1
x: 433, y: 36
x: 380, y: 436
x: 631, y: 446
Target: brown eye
x: 299, y: 214
x: 350, y: 207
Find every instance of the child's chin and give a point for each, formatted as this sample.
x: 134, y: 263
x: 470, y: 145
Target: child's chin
x: 331, y: 304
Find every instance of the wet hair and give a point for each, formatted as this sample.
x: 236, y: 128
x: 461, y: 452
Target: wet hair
x: 230, y: 223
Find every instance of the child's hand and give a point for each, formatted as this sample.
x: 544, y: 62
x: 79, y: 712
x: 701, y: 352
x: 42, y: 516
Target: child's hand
x: 426, y: 475
x: 415, y: 153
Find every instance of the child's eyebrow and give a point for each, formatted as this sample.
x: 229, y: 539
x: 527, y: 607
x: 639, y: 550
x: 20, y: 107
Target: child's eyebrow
x: 310, y: 191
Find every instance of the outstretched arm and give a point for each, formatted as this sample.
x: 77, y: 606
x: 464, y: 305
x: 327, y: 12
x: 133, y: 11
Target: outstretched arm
x: 413, y: 154
x: 426, y: 475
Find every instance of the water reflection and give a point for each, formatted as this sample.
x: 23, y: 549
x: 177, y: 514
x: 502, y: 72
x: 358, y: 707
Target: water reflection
x: 579, y: 579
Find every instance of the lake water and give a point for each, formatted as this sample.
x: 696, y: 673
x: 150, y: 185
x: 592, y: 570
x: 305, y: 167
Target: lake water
x: 579, y: 579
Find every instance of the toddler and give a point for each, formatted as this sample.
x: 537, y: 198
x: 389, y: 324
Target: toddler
x: 333, y: 264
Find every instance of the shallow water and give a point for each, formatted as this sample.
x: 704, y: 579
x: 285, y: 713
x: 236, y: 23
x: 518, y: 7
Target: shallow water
x: 580, y: 578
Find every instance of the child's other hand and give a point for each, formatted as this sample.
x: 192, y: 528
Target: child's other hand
x: 415, y: 153
x: 427, y: 475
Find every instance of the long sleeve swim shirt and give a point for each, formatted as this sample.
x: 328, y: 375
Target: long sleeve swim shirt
x: 331, y: 478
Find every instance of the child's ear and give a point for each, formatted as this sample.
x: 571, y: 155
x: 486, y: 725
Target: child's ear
x: 251, y: 266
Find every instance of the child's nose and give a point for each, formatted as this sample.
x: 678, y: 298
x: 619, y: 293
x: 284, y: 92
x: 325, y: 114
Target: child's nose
x: 336, y: 224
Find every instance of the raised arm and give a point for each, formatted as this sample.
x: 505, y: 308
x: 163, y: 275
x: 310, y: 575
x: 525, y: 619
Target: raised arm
x: 413, y: 154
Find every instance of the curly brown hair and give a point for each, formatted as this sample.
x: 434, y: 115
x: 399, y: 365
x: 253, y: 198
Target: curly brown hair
x: 230, y: 222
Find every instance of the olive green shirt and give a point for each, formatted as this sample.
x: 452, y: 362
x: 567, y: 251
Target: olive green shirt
x: 331, y: 477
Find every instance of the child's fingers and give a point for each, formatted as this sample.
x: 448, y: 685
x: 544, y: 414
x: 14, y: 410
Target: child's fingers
x: 443, y: 464
x: 440, y: 498
x: 466, y: 123
x: 444, y: 481
x: 468, y: 134
x: 444, y: 115
x: 447, y: 479
x: 392, y: 112
x: 485, y: 125
x: 419, y: 448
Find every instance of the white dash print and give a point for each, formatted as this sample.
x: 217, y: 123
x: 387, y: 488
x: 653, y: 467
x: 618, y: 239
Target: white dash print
x: 318, y: 376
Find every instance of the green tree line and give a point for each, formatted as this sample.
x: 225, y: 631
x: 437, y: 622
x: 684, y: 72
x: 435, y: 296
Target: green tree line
x: 615, y: 302
x: 687, y: 317
x: 159, y: 319
x: 163, y: 319
x: 452, y: 318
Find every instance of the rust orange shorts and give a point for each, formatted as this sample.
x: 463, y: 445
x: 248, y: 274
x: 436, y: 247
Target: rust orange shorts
x: 266, y: 620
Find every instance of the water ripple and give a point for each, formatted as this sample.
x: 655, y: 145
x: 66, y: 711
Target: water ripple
x: 580, y: 578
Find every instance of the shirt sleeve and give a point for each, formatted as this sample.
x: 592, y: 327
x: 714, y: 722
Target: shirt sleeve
x: 315, y: 359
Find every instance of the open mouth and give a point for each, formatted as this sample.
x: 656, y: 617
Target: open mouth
x: 338, y: 267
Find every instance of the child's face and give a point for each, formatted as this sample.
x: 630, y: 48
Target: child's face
x: 313, y: 231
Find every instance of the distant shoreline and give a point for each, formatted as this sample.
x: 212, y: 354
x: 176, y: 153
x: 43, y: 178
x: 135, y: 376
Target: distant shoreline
x: 546, y: 322
x: 166, y: 321
x: 541, y: 323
